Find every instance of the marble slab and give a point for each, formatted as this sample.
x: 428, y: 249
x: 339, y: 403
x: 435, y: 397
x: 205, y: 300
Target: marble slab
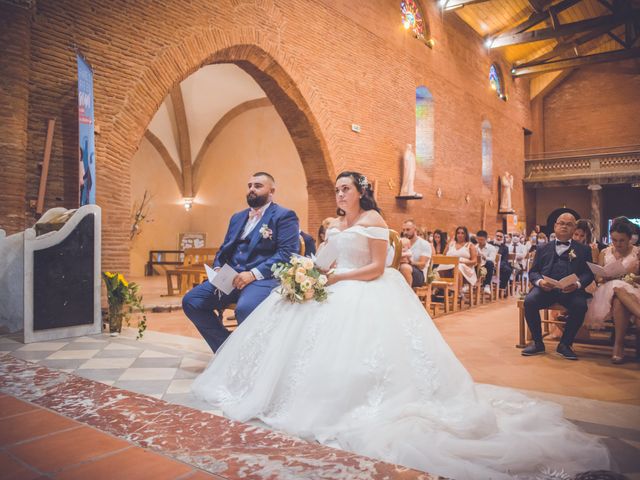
x: 220, y: 446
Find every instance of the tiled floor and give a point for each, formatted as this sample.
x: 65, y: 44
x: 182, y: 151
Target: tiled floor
x: 38, y: 443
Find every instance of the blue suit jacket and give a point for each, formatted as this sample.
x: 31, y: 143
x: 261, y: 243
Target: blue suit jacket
x: 543, y: 262
x: 263, y: 252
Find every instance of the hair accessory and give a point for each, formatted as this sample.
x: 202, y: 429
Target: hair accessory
x: 364, y: 183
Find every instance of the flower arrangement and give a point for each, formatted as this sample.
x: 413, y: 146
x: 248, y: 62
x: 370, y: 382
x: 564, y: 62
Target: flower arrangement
x: 300, y: 280
x: 265, y: 231
x: 632, y: 279
x: 123, y: 299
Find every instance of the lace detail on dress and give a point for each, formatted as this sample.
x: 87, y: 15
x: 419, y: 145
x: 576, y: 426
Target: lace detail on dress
x: 380, y: 372
x: 424, y: 369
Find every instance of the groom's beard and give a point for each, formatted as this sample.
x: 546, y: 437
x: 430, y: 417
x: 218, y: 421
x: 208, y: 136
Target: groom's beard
x: 257, y: 201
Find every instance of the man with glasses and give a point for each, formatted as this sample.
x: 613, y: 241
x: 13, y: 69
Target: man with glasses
x: 558, y: 259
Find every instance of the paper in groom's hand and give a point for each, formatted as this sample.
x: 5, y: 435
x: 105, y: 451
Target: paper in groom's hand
x: 222, y: 279
x: 326, y: 256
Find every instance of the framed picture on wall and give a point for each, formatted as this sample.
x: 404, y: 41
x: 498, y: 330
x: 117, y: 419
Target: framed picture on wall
x: 191, y: 240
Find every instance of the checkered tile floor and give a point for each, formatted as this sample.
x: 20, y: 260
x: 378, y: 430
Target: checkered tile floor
x: 145, y: 366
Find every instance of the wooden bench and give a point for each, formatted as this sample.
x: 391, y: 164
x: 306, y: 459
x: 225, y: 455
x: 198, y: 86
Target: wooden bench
x: 192, y: 270
x: 606, y: 338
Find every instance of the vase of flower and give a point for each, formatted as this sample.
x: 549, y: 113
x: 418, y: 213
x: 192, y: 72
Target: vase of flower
x: 115, y: 316
x: 123, y: 300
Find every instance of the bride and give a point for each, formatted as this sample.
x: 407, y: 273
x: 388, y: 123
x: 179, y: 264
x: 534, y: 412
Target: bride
x: 367, y: 371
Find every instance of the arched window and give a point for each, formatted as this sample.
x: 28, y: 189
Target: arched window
x: 487, y: 154
x: 495, y: 81
x: 424, y: 126
x: 413, y: 20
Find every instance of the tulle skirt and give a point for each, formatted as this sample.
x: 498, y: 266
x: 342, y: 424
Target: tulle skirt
x: 368, y: 371
x: 600, y: 306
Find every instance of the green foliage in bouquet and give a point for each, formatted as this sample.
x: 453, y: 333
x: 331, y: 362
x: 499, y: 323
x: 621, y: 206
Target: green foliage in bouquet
x: 123, y: 299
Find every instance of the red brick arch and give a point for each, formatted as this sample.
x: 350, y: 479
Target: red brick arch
x: 123, y: 136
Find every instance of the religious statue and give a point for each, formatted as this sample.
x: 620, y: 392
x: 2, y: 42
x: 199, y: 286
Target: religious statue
x: 506, y: 185
x: 408, y: 173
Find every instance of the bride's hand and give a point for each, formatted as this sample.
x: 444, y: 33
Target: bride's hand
x: 331, y: 279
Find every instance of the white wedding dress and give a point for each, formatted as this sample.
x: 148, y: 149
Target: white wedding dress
x: 368, y: 371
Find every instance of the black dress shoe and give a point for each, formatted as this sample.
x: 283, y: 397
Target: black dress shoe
x: 566, y: 352
x: 534, y: 348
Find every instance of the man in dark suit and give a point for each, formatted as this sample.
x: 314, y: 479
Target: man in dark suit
x: 556, y: 260
x: 257, y: 238
x: 309, y: 244
x: 505, y: 267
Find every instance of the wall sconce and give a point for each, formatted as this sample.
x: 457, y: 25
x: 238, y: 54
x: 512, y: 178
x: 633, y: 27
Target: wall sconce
x: 594, y: 187
x: 439, y: 192
x: 188, y: 203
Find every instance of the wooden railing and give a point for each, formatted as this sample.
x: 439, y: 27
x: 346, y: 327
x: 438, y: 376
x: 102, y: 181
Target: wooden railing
x: 599, y: 165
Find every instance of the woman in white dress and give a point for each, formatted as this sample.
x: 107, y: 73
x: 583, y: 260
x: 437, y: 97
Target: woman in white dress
x: 367, y: 371
x: 461, y: 247
x: 614, y: 298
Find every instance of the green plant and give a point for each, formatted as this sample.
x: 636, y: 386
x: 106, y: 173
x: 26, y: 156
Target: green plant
x: 123, y: 299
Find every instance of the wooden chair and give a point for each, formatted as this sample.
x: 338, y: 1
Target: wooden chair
x: 394, y: 242
x: 496, y: 292
x: 191, y: 271
x: 476, y: 295
x: 598, y: 337
x: 450, y: 286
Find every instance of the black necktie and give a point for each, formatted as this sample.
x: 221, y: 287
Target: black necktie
x: 563, y: 243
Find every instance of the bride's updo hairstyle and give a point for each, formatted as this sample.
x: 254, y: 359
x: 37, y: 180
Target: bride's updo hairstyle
x: 367, y: 202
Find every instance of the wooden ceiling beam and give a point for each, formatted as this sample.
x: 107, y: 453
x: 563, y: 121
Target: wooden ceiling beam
x: 456, y: 4
x: 609, y: 21
x: 605, y: 57
x: 568, y: 46
x: 538, y: 17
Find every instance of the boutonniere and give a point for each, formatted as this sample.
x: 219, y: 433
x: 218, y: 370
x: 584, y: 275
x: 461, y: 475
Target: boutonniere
x: 265, y: 231
x: 572, y: 254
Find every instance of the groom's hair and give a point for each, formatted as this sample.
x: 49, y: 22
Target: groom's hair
x: 265, y: 174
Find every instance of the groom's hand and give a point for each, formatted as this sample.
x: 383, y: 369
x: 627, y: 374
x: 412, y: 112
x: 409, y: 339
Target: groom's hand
x: 243, y: 279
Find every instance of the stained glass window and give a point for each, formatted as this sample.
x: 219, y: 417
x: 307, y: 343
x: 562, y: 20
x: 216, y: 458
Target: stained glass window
x: 487, y: 155
x: 412, y: 19
x: 495, y: 80
x: 424, y: 126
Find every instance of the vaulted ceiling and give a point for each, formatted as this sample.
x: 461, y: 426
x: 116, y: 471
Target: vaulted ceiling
x: 540, y: 36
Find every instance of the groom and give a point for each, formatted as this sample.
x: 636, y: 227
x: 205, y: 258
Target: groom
x: 257, y: 238
x: 556, y: 260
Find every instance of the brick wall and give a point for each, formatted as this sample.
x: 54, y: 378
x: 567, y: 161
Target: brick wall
x: 14, y: 101
x: 594, y: 107
x: 324, y: 65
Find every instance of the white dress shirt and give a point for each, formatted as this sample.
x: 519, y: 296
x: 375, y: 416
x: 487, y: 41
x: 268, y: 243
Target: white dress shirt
x: 487, y: 253
x: 252, y: 222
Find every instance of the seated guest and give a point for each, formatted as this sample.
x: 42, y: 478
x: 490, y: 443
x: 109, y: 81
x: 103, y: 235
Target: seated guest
x: 520, y: 252
x: 461, y: 247
x: 557, y: 260
x: 439, y: 242
x: 487, y: 253
x: 615, y: 298
x: 322, y: 231
x: 309, y: 244
x: 505, y: 266
x: 416, y: 263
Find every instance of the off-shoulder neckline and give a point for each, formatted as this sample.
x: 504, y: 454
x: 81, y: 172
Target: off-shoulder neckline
x: 354, y: 226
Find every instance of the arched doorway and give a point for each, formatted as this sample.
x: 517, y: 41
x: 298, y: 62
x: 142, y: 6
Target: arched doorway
x: 553, y: 216
x: 125, y: 134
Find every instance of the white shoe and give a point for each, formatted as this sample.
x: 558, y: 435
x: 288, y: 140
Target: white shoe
x: 487, y: 289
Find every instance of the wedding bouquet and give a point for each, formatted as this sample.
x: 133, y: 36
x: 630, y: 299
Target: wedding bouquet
x: 300, y: 280
x: 632, y: 279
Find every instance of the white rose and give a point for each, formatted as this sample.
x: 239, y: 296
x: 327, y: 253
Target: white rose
x: 300, y: 277
x: 307, y: 263
x: 322, y: 280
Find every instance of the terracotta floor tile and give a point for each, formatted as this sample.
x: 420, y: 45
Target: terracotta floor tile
x: 12, y: 470
x: 30, y: 425
x: 65, y: 449
x: 132, y: 464
x: 200, y: 475
x: 12, y: 406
